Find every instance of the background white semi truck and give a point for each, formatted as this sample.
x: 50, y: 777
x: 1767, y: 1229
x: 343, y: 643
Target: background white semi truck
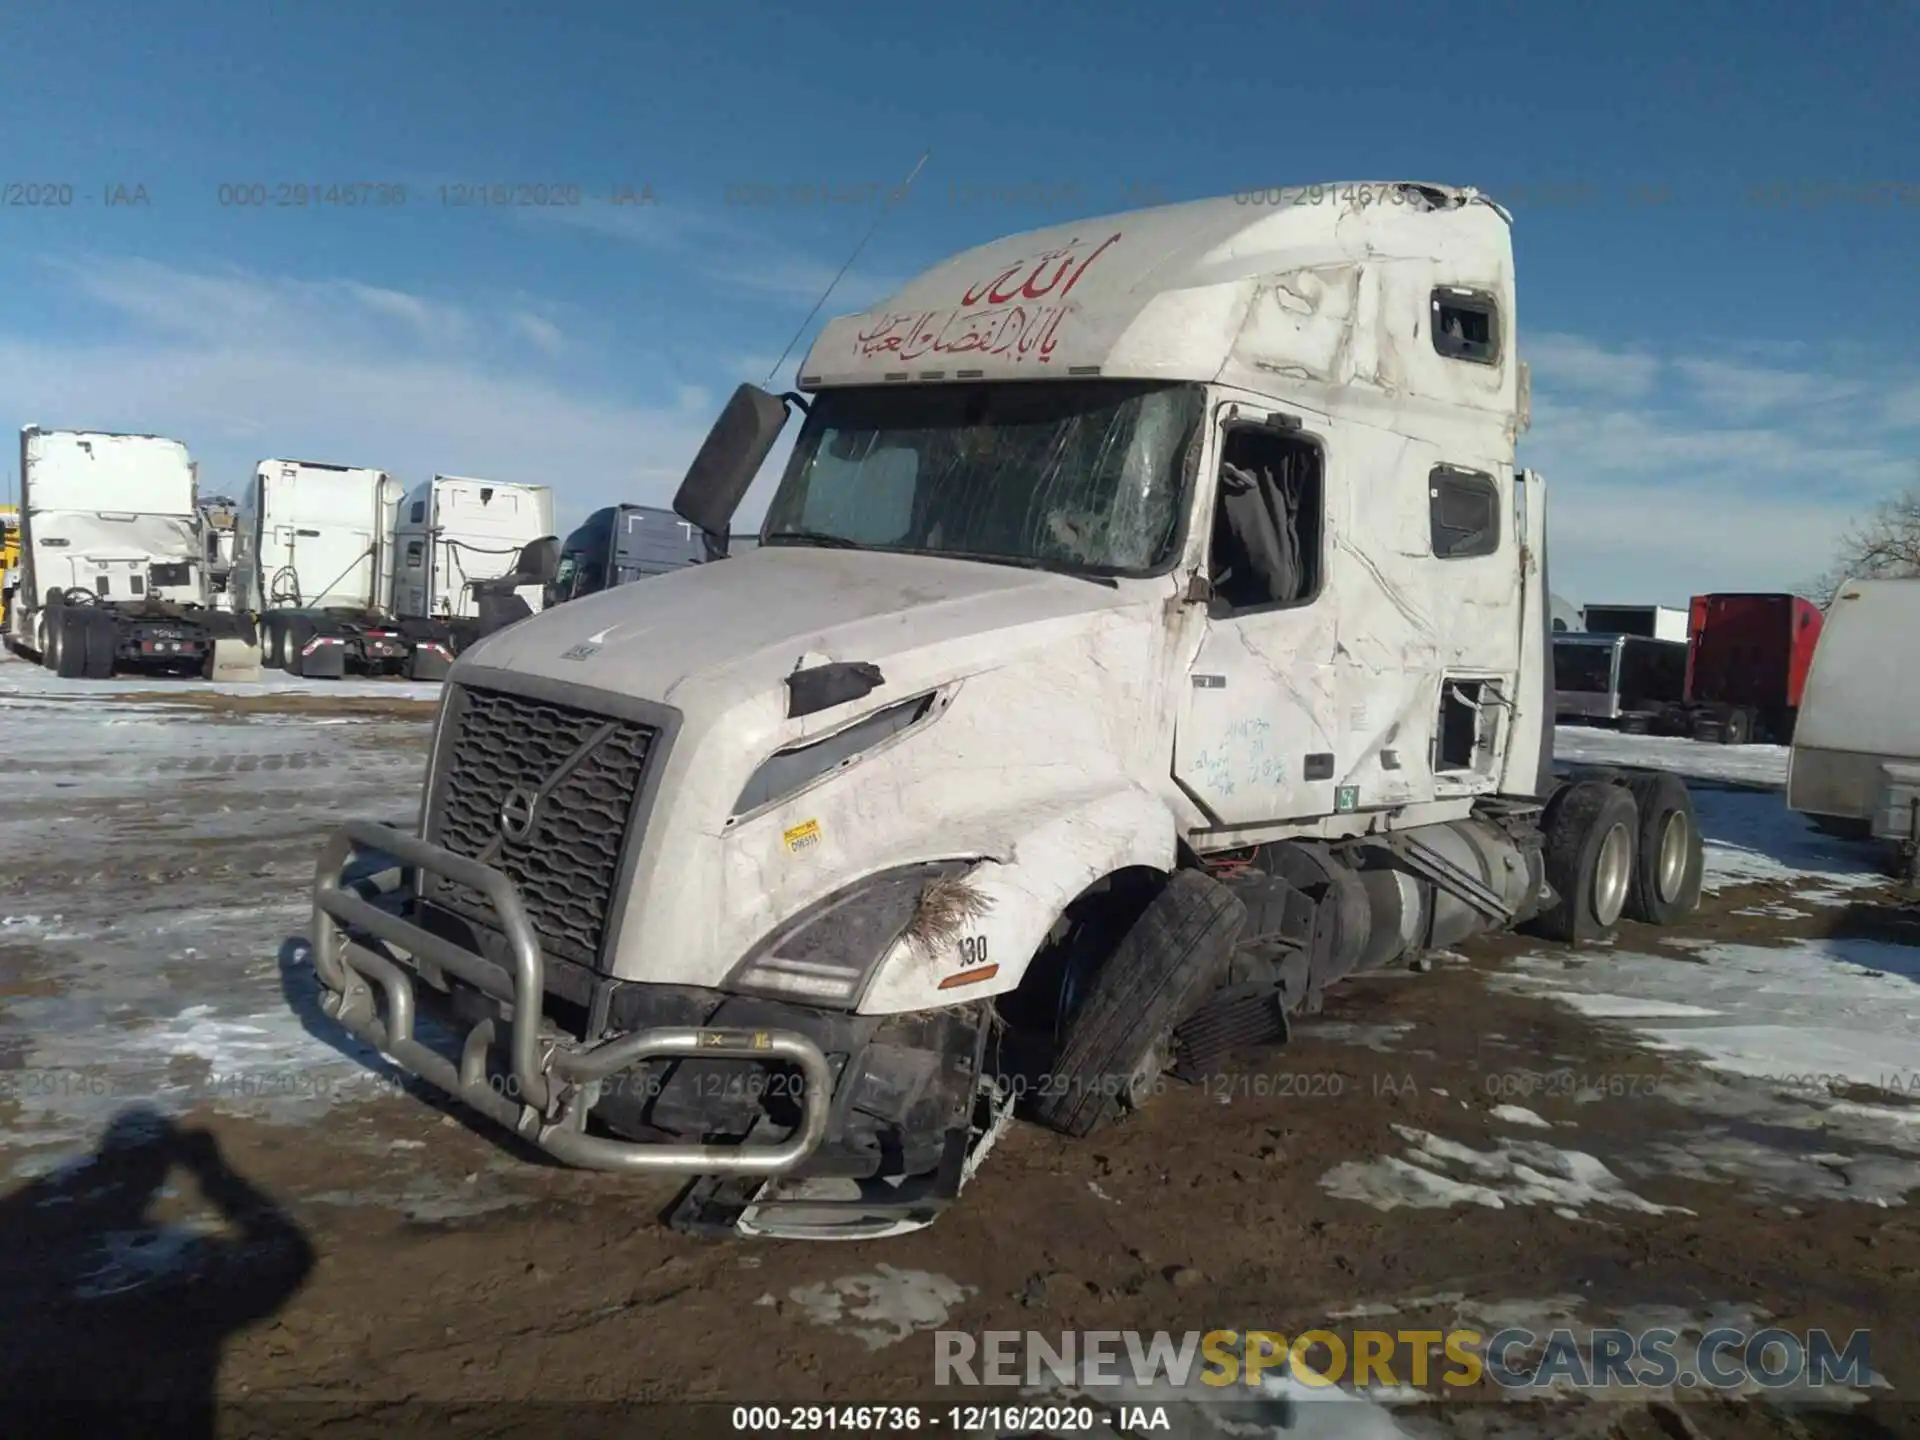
x: 114, y: 563
x: 324, y: 548
x: 1150, y: 628
x: 471, y: 556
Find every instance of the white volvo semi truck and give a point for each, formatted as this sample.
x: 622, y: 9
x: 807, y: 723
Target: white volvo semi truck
x: 1150, y: 628
x: 114, y: 562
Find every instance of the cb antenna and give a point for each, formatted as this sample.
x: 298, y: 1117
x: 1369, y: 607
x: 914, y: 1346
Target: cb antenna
x: 905, y: 186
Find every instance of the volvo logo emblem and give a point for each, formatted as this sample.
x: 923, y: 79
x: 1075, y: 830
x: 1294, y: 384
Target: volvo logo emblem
x: 517, y: 814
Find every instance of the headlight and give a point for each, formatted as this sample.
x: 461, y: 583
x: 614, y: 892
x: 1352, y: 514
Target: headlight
x: 792, y: 769
x: 826, y: 954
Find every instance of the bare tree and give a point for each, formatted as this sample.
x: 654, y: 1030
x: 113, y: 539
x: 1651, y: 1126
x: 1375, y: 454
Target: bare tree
x: 1884, y: 546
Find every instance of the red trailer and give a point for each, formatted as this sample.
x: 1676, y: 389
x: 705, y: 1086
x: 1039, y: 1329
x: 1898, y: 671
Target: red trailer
x: 1747, y: 659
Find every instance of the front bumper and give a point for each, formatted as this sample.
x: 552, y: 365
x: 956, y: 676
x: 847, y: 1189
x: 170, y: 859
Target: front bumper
x: 555, y: 1079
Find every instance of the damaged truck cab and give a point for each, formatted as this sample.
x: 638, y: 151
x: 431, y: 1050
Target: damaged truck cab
x: 1150, y: 629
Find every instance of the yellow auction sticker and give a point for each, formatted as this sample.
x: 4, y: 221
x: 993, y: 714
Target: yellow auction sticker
x: 802, y: 837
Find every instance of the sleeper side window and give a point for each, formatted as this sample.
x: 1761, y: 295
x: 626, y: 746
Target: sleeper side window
x: 1463, y: 508
x: 1466, y: 325
x: 1269, y: 521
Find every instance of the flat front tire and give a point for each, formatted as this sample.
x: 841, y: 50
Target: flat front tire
x: 1118, y: 1038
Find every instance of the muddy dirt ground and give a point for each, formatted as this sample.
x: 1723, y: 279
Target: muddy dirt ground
x: 209, y: 1195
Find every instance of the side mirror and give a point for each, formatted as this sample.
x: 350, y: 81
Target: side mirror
x: 721, y: 474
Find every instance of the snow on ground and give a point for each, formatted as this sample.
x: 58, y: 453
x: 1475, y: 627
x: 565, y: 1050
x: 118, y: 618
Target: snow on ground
x: 1514, y: 1172
x: 1690, y: 759
x: 1519, y: 1115
x: 23, y: 677
x: 882, y: 1308
x: 1813, y: 1028
x: 154, y: 861
x: 1802, y: 1015
x: 1752, y: 838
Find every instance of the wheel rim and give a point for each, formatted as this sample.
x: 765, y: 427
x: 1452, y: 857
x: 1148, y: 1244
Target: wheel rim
x: 1676, y: 838
x: 1140, y: 1083
x: 1611, y: 871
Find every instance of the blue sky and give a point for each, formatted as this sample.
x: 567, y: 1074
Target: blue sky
x: 1720, y: 382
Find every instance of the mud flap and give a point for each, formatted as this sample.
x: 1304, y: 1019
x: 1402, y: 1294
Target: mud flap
x: 326, y: 659
x: 235, y: 660
x: 428, y: 661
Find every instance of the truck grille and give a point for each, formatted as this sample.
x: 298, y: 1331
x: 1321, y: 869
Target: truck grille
x: 584, y: 771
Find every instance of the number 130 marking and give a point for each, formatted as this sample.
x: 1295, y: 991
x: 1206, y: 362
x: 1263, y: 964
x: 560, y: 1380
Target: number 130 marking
x: 973, y: 949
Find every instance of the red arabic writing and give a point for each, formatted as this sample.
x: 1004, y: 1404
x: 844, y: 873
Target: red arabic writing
x: 1014, y: 327
x: 1015, y: 332
x: 1003, y: 288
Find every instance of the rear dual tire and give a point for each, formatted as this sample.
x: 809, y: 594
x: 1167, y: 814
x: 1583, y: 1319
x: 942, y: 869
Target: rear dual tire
x: 270, y: 643
x: 1736, y: 727
x: 80, y: 644
x: 293, y: 634
x: 1669, y: 859
x: 1619, y: 846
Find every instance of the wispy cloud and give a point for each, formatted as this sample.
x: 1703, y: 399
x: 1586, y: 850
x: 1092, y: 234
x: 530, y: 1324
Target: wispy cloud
x: 540, y: 332
x: 743, y: 256
x: 240, y: 365
x: 1900, y: 407
x: 1677, y: 474
x: 1749, y: 390
x: 1572, y: 363
x: 226, y: 304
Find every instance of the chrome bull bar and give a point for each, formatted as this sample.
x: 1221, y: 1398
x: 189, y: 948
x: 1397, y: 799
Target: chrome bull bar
x: 557, y: 1079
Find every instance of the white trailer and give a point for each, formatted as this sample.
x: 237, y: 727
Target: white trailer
x: 1855, y: 763
x: 1150, y: 628
x: 1654, y: 622
x: 113, y: 564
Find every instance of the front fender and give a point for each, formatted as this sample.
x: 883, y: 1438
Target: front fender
x: 1055, y: 855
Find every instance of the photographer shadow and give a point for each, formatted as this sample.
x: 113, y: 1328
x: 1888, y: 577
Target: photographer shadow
x: 115, y: 1315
